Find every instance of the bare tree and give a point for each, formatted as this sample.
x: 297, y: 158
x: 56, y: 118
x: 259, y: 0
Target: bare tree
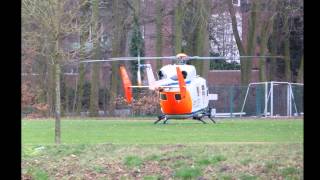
x: 94, y: 91
x: 51, y: 22
x: 159, y: 36
x: 300, y: 73
x: 195, y: 39
x: 178, y: 19
x: 119, y: 35
x: 266, y: 21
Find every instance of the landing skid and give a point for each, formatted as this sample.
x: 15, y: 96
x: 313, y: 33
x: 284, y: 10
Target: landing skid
x: 160, y: 118
x: 197, y: 117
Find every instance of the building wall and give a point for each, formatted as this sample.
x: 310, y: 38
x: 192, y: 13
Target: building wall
x: 229, y: 77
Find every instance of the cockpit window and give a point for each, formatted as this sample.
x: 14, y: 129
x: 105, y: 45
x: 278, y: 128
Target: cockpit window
x: 175, y: 77
x: 184, y: 74
x: 163, y: 96
x: 160, y: 74
x: 177, y: 96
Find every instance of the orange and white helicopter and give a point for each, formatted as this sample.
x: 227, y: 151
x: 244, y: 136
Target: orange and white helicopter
x: 183, y: 93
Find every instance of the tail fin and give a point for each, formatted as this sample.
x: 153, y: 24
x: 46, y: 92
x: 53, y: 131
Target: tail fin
x: 126, y: 84
x: 182, y: 83
x: 150, y: 75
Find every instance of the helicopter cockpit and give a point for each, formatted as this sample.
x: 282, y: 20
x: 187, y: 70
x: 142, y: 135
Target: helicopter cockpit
x: 169, y: 72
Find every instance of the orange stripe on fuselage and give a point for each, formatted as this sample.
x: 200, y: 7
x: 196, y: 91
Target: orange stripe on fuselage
x: 173, y: 106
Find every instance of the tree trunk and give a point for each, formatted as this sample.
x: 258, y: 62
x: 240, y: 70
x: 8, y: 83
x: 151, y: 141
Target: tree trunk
x: 287, y: 58
x: 58, y: 105
x: 243, y: 65
x: 94, y: 92
x: 235, y: 28
x: 51, y: 89
x: 273, y: 63
x: 265, y: 34
x: 113, y: 88
x: 119, y: 37
x: 300, y: 73
x: 74, y: 100
x: 202, y: 36
x: 80, y: 88
x: 274, y: 45
x: 159, y: 36
x: 250, y: 43
x: 178, y: 19
x: 63, y: 95
x: 83, y: 38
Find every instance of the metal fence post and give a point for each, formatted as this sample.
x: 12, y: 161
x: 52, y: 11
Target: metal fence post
x: 271, y: 101
x: 245, y: 98
x: 258, y: 100
x: 265, y: 99
x: 288, y: 100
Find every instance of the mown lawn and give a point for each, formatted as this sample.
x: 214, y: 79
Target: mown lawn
x: 176, y: 132
x: 138, y: 149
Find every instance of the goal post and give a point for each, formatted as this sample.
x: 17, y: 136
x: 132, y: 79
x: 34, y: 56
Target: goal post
x: 279, y: 98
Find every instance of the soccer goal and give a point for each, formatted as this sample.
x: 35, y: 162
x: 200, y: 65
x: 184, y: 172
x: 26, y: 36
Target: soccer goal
x: 274, y: 99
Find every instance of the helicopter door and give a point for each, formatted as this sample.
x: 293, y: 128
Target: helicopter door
x: 200, y: 96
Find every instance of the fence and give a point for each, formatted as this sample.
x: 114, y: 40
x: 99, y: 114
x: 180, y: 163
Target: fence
x: 257, y: 99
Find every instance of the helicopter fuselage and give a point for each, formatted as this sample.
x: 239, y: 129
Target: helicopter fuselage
x: 196, y: 97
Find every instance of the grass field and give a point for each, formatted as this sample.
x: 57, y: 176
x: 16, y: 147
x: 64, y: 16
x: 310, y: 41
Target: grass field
x: 138, y: 149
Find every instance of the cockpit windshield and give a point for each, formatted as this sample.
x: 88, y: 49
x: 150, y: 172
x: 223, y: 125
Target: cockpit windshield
x: 175, y: 78
x: 161, y: 75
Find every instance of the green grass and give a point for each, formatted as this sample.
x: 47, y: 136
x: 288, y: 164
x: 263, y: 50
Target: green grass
x: 131, y: 149
x: 132, y: 161
x: 38, y: 174
x: 211, y: 160
x: 188, y: 173
x: 247, y: 177
x: 167, y: 161
x: 41, y: 132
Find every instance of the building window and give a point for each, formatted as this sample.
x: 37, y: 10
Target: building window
x: 177, y: 96
x: 163, y: 96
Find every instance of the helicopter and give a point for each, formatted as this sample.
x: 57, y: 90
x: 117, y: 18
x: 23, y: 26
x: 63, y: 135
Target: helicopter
x: 182, y: 93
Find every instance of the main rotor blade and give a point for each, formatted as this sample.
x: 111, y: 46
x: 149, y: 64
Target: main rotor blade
x: 260, y: 57
x: 208, y: 58
x: 230, y: 58
x: 126, y: 59
x: 103, y: 60
x: 141, y: 58
x: 175, y: 58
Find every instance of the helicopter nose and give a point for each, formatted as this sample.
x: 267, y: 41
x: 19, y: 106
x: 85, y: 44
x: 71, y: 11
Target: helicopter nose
x: 172, y: 103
